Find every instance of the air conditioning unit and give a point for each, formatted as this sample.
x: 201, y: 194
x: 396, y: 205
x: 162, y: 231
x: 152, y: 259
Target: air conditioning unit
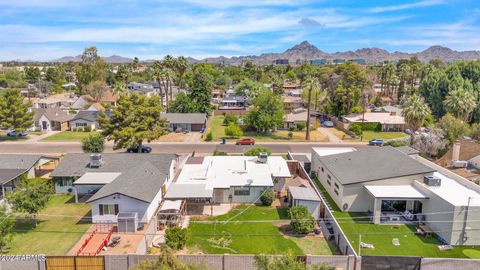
x: 459, y: 163
x: 262, y: 157
x: 95, y: 161
x: 432, y: 181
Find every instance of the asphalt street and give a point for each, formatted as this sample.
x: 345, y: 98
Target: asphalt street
x: 179, y: 148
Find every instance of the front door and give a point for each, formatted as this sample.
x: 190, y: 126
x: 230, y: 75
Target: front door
x: 44, y: 125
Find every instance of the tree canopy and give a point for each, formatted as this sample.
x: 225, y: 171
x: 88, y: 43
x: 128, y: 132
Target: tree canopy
x: 266, y: 114
x: 15, y: 114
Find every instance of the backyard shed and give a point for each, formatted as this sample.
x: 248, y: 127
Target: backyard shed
x: 307, y: 197
x: 127, y: 222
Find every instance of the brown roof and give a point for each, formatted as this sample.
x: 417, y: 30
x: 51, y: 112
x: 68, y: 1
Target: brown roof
x: 88, y: 98
x: 468, y: 150
x: 53, y: 114
x: 109, y: 97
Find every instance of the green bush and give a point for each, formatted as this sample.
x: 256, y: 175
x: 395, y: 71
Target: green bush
x: 355, y: 128
x: 209, y: 137
x: 233, y: 131
x: 301, y: 220
x: 254, y: 151
x: 87, y: 129
x: 396, y: 143
x: 219, y: 153
x: 301, y: 125
x: 292, y: 128
x: 267, y: 197
x: 93, y: 143
x: 290, y: 135
x: 176, y: 237
x: 230, y: 119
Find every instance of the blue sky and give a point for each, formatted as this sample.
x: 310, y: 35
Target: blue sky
x: 48, y: 29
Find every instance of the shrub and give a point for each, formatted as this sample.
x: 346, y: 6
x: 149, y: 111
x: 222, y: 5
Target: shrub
x: 254, y: 151
x: 301, y: 125
x: 230, y: 119
x: 301, y: 220
x: 355, y: 128
x: 290, y: 135
x: 219, y: 153
x: 93, y: 143
x: 87, y: 129
x: 176, y: 237
x: 233, y: 131
x: 396, y: 143
x: 267, y: 197
x: 209, y: 137
x: 292, y: 128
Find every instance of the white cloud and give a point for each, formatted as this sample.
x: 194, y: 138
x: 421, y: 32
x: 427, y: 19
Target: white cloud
x: 423, y: 3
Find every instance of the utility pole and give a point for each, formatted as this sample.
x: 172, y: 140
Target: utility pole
x: 307, y: 134
x: 359, y: 245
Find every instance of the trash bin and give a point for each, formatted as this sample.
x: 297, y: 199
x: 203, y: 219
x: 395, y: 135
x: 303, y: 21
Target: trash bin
x: 224, y: 141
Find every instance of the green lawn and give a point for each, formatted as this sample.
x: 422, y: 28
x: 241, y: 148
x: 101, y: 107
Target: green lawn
x: 54, y: 235
x: 218, y: 132
x: 68, y: 136
x: 252, y: 237
x: 355, y: 224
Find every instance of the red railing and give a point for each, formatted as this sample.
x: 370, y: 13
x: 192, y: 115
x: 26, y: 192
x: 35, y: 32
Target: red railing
x: 106, y: 239
x: 85, y: 243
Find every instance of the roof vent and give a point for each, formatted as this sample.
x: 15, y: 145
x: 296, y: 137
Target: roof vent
x: 262, y: 157
x: 95, y: 161
x: 432, y: 181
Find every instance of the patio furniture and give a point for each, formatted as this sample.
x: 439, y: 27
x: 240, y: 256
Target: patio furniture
x: 426, y: 230
x: 366, y: 245
x: 115, y: 241
x: 408, y: 216
x: 445, y: 247
x: 396, y: 242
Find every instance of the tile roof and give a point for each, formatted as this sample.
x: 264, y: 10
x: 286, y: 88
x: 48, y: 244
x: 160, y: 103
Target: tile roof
x: 53, y: 114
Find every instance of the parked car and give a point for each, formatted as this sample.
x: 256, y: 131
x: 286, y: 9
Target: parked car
x: 327, y: 124
x: 246, y: 141
x: 202, y: 130
x: 376, y: 142
x: 17, y: 134
x: 145, y: 149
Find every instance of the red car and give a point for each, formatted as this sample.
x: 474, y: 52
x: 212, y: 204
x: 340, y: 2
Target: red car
x: 246, y: 141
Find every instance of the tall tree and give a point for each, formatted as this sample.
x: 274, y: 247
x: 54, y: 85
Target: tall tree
x: 266, y: 114
x: 97, y: 89
x: 182, y: 104
x: 91, y: 68
x: 434, y: 89
x: 15, y: 114
x: 32, y: 74
x: 312, y: 84
x: 347, y: 92
x: 414, y: 111
x: 461, y: 102
x: 200, y: 91
x: 135, y: 119
x: 6, y: 226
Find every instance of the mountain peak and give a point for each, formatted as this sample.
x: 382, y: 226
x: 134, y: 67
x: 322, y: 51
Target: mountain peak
x: 304, y: 48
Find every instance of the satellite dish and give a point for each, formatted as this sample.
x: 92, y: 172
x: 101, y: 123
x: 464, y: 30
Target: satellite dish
x: 249, y: 181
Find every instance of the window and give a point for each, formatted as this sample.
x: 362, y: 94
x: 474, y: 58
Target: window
x: 80, y: 124
x: 336, y: 185
x: 329, y: 177
x: 65, y: 181
x: 108, y: 209
x: 322, y: 169
x: 336, y: 191
x: 328, y: 182
x: 241, y: 191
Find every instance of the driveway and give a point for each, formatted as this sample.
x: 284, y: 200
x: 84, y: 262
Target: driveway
x: 329, y: 134
x: 36, y: 138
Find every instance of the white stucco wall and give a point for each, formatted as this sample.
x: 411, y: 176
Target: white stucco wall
x: 73, y: 123
x: 125, y: 204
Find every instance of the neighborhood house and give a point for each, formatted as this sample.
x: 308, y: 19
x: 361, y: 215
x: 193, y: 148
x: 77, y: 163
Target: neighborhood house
x: 227, y: 179
x: 50, y: 119
x: 186, y: 121
x: 395, y: 186
x: 389, y: 121
x: 119, y: 184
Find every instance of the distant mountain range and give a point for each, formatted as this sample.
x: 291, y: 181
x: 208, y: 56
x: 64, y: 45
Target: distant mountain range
x: 306, y: 51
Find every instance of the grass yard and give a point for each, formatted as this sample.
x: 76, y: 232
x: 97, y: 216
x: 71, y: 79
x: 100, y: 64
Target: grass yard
x: 252, y: 237
x: 53, y: 235
x: 173, y: 137
x: 67, y: 136
x: 368, y: 135
x: 354, y: 224
x: 217, y: 129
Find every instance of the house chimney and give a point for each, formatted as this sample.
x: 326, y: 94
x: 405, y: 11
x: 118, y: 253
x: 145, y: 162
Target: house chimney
x: 456, y: 151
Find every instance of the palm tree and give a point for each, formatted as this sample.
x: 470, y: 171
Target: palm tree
x: 414, y: 111
x: 311, y: 84
x: 461, y: 103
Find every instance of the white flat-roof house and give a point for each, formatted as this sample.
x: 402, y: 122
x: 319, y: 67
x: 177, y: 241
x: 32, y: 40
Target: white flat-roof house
x: 227, y: 179
x: 395, y: 186
x: 118, y: 183
x: 389, y: 121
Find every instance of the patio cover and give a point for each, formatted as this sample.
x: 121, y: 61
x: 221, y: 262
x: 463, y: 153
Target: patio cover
x: 176, y: 191
x: 395, y: 192
x: 171, y: 205
x: 96, y: 178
